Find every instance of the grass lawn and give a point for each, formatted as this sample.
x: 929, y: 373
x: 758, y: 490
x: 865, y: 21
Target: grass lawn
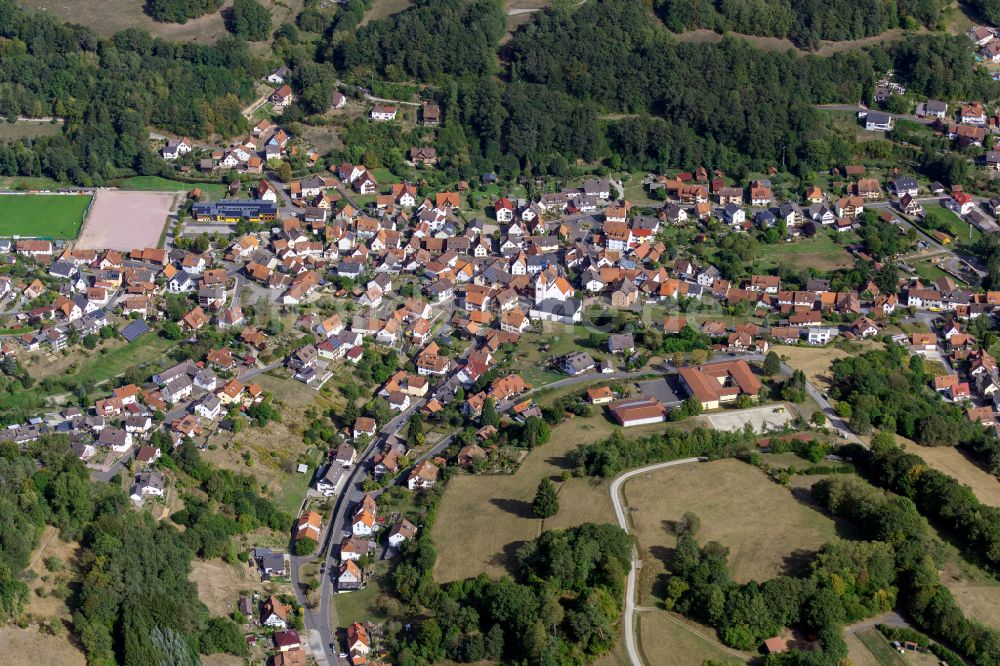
x: 668, y: 640
x: 819, y: 252
x: 24, y: 183
x: 292, y: 493
x: 930, y: 271
x: 726, y: 495
x: 532, y: 363
x: 46, y: 216
x: 879, y: 648
x: 146, y: 349
x: 363, y: 605
x: 214, y: 191
x: 93, y: 370
x: 938, y: 217
x: 28, y: 130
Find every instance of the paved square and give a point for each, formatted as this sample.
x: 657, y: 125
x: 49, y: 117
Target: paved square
x: 666, y: 389
x: 763, y: 419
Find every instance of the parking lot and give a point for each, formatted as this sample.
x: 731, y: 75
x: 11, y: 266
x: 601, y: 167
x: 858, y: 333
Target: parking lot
x: 666, y: 389
x: 763, y: 419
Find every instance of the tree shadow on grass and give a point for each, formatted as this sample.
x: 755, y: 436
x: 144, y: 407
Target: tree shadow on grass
x: 507, y: 558
x: 844, y: 529
x: 519, y: 508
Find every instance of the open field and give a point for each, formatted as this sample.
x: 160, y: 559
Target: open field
x: 212, y: 191
x: 383, y: 8
x: 28, y: 647
x: 219, y: 583
x: 820, y: 252
x: 668, y: 640
x: 101, y: 365
x: 121, y: 220
x: 28, y: 129
x: 221, y: 660
x: 275, y: 449
x: 727, y: 495
x: 484, y: 519
x: 953, y: 462
x: 976, y: 592
x: 107, y: 17
x: 779, y: 44
x: 814, y: 362
x: 51, y: 545
x: 111, y: 16
x: 54, y: 216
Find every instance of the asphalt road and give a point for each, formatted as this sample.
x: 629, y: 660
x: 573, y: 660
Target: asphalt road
x: 629, y: 617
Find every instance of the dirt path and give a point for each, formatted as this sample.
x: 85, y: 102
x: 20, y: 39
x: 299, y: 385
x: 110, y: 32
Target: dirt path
x: 50, y: 533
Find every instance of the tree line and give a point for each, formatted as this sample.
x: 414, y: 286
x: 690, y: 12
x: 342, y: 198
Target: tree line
x: 846, y: 582
x: 180, y: 11
x: 894, y: 520
x: 804, y: 22
x: 953, y: 506
x: 617, y: 453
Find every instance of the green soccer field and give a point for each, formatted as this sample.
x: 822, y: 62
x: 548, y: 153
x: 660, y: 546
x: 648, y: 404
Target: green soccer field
x: 56, y: 217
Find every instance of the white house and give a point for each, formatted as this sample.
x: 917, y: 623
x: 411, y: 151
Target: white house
x: 175, y: 149
x: 876, y: 121
x: 383, y: 113
x: 147, y: 484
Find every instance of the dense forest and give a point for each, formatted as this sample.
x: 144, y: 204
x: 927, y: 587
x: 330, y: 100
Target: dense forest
x: 134, y: 604
x: 601, y: 81
x: 570, y: 67
x: 435, y: 37
x: 180, y: 11
x: 110, y: 91
x: 805, y: 22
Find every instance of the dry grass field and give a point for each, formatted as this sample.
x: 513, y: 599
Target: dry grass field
x: 275, y: 449
x: 976, y: 592
x: 483, y: 520
x: 383, y: 8
x: 668, y: 640
x: 28, y: 647
x: 46, y: 604
x: 953, y: 462
x: 779, y: 44
x: 110, y: 16
x: 219, y: 583
x: 28, y: 129
x: 222, y: 660
x: 815, y: 362
x: 767, y: 529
